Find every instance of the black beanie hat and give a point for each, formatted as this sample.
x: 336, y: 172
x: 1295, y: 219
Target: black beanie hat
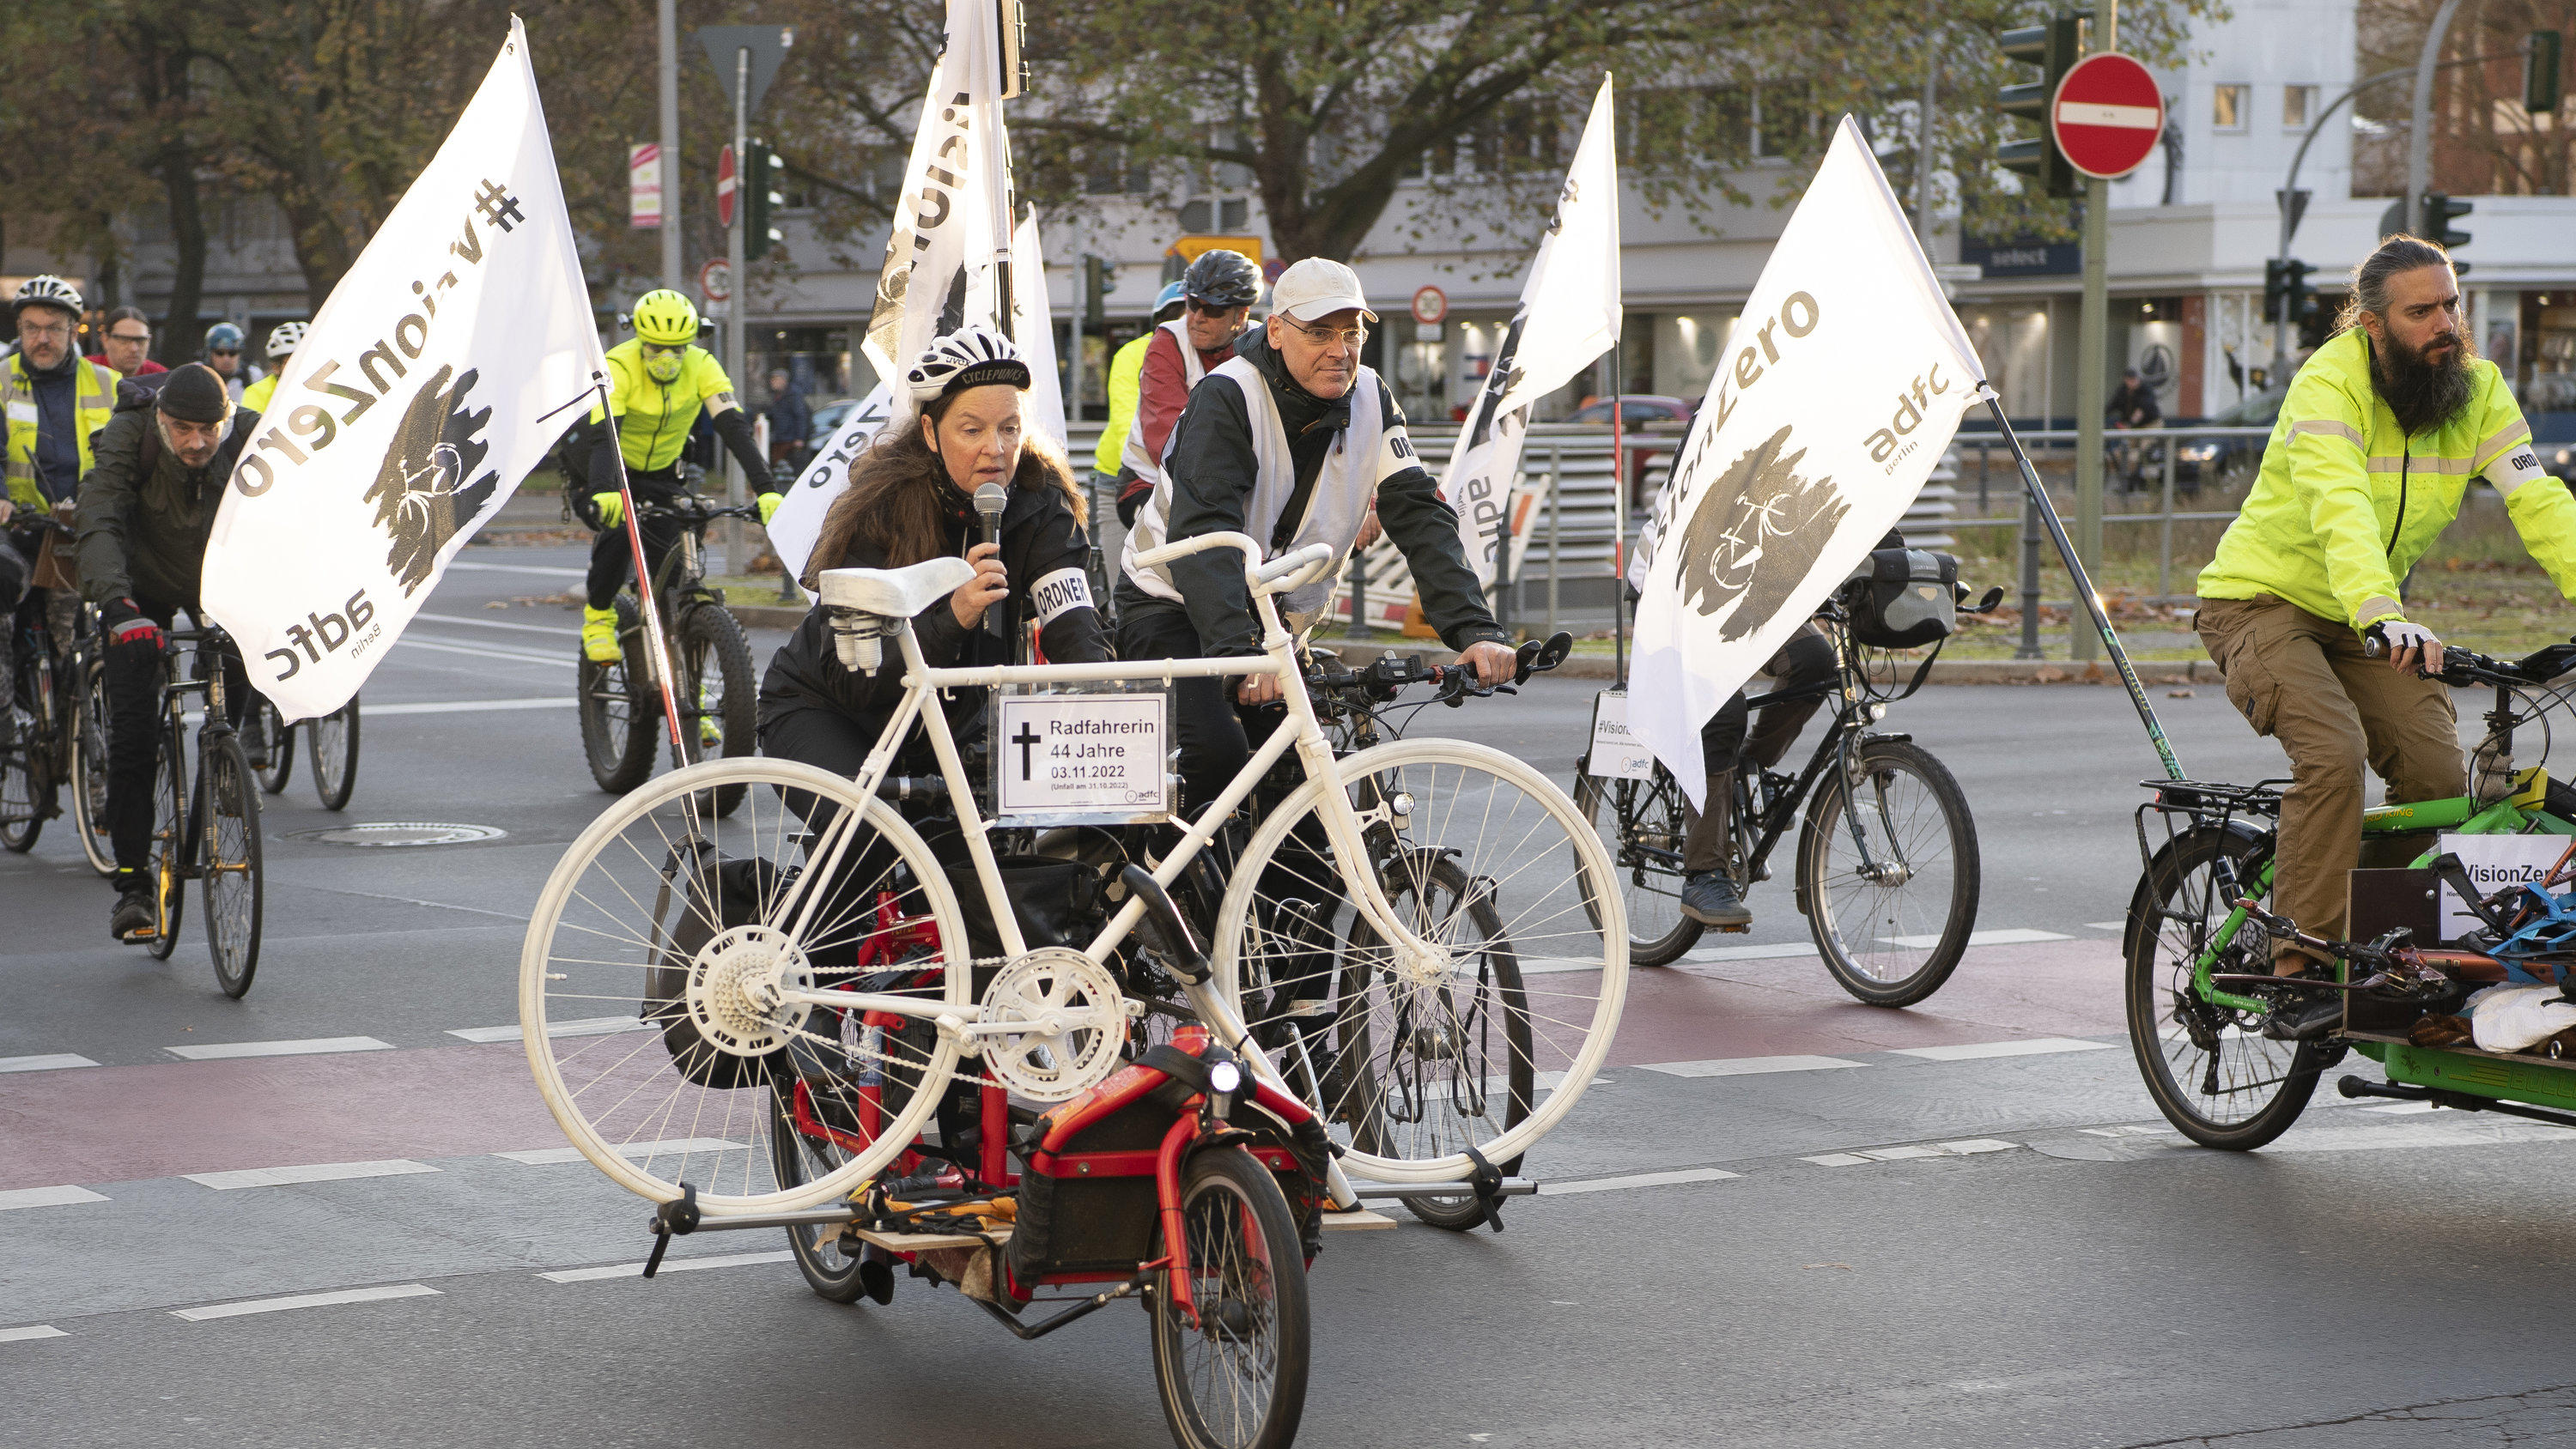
x: 195, y: 394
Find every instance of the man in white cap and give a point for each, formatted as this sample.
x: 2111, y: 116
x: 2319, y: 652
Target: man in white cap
x: 1288, y: 441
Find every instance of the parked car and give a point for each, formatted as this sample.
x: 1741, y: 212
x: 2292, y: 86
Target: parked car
x: 2554, y: 435
x: 827, y: 421
x: 1638, y: 409
x: 2221, y: 461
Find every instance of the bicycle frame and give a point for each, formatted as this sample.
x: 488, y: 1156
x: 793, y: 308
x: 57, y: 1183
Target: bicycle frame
x: 1305, y: 733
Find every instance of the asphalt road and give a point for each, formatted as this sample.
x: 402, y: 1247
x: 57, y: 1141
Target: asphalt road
x: 1781, y: 1218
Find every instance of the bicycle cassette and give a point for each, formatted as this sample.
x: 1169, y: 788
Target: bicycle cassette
x: 1075, y: 1020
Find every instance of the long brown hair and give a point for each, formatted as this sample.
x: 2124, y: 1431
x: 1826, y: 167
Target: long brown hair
x: 894, y: 501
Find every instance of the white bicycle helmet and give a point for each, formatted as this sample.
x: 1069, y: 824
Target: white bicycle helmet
x: 47, y: 291
x: 971, y: 356
x: 284, y: 338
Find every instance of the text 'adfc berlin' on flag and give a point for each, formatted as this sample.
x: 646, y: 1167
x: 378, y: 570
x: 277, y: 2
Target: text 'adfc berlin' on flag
x: 1835, y: 395
x: 952, y: 232
x: 1569, y: 315
x: 444, y: 365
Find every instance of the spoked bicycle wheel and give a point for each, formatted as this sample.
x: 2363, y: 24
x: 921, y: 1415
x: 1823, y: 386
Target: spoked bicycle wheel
x: 2209, y: 1067
x: 719, y: 696
x: 1647, y: 854
x: 1392, y: 1048
x: 1551, y: 909
x: 1890, y: 887
x: 89, y: 769
x: 332, y: 741
x: 26, y: 780
x: 174, y: 849
x: 833, y: 1271
x: 228, y: 860
x: 1235, y: 1378
x: 647, y: 986
x: 620, y: 717
x: 280, y: 737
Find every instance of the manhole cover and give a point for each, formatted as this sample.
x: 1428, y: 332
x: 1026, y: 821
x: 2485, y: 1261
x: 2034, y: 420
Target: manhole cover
x: 402, y: 832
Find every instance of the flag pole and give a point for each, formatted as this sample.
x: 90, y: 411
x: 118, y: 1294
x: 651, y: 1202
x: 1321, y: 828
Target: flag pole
x: 1618, y: 518
x: 658, y: 663
x: 2084, y: 593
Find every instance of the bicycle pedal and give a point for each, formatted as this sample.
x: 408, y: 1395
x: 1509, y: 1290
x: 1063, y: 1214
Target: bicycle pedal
x: 1743, y: 930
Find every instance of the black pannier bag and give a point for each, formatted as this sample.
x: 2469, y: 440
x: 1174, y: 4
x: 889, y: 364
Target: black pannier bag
x: 1903, y: 598
x: 706, y: 898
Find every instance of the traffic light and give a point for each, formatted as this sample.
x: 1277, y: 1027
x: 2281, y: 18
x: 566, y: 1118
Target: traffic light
x: 2540, y: 66
x: 2439, y: 212
x: 760, y: 184
x: 1096, y: 277
x: 2285, y: 290
x: 2054, y: 48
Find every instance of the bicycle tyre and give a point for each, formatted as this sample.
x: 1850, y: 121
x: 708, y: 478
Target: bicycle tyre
x: 1371, y: 1132
x: 835, y: 1275
x: 89, y: 769
x: 173, y: 847
x: 281, y: 747
x: 618, y: 1102
x: 1248, y: 1283
x: 332, y: 740
x: 1540, y: 902
x: 1658, y: 932
x: 2170, y: 918
x: 228, y: 875
x: 27, y: 790
x: 619, y: 716
x: 1912, y: 961
x: 709, y: 633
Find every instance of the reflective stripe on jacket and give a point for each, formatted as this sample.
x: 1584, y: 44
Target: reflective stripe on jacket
x: 93, y: 398
x: 2346, y: 502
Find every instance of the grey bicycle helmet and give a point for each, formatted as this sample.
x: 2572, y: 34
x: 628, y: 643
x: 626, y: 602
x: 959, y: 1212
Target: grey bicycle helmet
x: 46, y: 291
x: 971, y: 356
x: 1221, y: 278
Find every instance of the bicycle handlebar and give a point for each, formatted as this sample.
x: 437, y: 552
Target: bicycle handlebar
x: 692, y: 508
x: 1385, y: 677
x: 2467, y: 666
x: 1278, y: 576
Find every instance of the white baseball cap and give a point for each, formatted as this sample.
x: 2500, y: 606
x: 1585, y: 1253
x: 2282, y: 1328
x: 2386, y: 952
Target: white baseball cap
x: 1318, y: 287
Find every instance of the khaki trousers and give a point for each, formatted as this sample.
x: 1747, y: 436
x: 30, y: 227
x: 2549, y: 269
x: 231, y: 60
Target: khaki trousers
x: 2304, y: 681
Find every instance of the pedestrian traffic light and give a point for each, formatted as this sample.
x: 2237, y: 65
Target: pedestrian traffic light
x: 765, y: 174
x: 2054, y: 48
x: 2285, y: 290
x: 2540, y: 65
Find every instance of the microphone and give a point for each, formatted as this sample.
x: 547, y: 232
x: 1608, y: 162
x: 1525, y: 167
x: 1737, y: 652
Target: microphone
x: 990, y: 500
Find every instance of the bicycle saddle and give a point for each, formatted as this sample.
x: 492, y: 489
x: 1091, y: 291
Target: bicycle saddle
x: 895, y: 593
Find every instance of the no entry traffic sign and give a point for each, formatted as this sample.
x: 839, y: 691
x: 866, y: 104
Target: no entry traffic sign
x: 725, y: 186
x: 2108, y: 115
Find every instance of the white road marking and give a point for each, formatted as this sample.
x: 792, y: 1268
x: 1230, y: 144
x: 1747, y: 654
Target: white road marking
x: 2404, y: 1109
x: 2007, y: 936
x: 1634, y: 1179
x: 305, y: 1300
x: 552, y: 573
x: 470, y: 706
x: 1974, y: 1051
x: 2106, y: 925
x: 1898, y: 1154
x: 677, y: 1146
x: 587, y: 1026
x: 1836, y: 1159
x: 558, y: 633
x: 1556, y: 965
x: 53, y: 1063
x: 39, y: 1330
x: 1974, y: 1145
x: 316, y: 1172
x: 482, y: 652
x: 28, y: 1197
x: 2155, y: 1129
x: 669, y: 1265
x: 1748, y: 953
x: 1748, y: 1066
x: 311, y: 1046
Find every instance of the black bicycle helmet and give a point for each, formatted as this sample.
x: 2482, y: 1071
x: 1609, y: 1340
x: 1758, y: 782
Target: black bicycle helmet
x: 1221, y: 278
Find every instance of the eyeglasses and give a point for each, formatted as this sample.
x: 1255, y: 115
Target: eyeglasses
x: 662, y: 349
x: 44, y: 329
x: 129, y: 337
x: 1209, y: 309
x: 1343, y: 336
x: 224, y: 352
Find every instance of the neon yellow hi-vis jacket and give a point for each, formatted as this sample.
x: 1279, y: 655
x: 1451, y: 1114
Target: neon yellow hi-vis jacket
x: 654, y: 418
x: 2346, y: 502
x: 1126, y: 383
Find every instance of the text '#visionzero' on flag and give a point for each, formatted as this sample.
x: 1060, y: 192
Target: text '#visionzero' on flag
x: 447, y: 361
x: 1834, y: 397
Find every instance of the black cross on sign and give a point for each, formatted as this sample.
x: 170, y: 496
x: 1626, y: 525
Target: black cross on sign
x: 498, y: 206
x: 1027, y: 740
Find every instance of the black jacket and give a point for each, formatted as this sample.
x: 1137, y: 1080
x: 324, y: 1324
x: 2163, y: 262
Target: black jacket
x: 1211, y: 466
x: 1040, y: 537
x: 144, y: 516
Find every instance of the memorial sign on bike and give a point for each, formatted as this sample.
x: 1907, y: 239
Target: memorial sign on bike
x: 1615, y: 753
x: 1081, y: 759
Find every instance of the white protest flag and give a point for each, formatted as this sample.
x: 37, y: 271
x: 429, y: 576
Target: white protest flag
x: 1033, y: 331
x: 446, y: 362
x: 1569, y: 315
x: 1837, y: 393
x: 952, y: 231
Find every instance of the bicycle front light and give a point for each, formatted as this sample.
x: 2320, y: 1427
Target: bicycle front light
x: 1401, y: 803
